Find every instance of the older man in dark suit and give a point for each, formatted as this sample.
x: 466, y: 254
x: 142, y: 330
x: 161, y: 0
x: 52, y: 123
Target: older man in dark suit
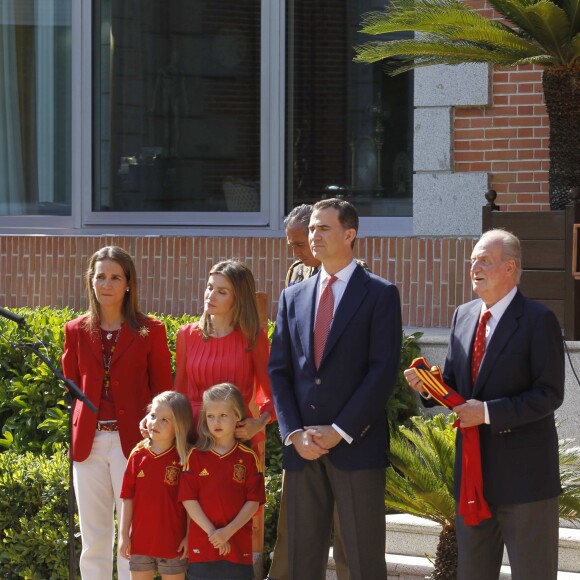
x: 333, y: 365
x: 506, y: 359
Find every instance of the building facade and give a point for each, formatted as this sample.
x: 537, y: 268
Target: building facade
x: 184, y: 130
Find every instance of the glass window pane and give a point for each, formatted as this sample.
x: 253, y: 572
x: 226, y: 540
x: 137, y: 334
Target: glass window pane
x: 35, y: 107
x: 177, y: 105
x: 349, y: 127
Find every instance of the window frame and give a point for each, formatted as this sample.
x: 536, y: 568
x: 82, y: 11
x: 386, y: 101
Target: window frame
x: 268, y: 222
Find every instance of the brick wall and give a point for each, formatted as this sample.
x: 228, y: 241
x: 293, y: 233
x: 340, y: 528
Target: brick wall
x: 510, y: 139
x: 431, y: 274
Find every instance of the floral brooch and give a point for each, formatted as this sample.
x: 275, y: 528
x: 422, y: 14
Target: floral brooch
x: 144, y: 331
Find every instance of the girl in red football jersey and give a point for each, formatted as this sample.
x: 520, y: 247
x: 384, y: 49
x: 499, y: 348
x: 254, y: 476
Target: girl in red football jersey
x: 221, y: 488
x: 153, y: 521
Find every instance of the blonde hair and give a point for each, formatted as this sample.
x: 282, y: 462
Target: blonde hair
x: 180, y: 408
x: 222, y: 392
x: 130, y: 308
x: 245, y: 315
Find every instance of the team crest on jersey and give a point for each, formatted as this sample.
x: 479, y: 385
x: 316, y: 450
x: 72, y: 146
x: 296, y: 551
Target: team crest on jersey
x: 171, y: 475
x: 239, y: 473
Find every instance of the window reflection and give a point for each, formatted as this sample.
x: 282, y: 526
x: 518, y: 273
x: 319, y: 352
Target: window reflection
x: 178, y: 106
x: 349, y: 126
x: 35, y: 107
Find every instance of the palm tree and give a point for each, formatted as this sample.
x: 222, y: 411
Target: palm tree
x: 420, y: 481
x: 545, y: 33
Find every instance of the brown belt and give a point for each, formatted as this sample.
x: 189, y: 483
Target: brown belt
x: 107, y: 426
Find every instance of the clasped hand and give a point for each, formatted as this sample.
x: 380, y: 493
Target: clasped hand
x: 315, y: 441
x: 219, y: 540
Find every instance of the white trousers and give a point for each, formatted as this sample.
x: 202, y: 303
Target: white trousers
x: 97, y: 483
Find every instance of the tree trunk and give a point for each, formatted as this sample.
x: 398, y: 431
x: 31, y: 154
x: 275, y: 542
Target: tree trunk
x: 446, y: 557
x: 562, y: 96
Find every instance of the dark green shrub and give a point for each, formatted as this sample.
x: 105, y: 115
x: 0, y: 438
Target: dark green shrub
x: 273, y: 477
x: 33, y: 516
x: 403, y: 404
x: 33, y: 413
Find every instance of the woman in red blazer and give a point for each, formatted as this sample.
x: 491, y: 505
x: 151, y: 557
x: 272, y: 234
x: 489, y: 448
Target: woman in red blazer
x: 120, y: 359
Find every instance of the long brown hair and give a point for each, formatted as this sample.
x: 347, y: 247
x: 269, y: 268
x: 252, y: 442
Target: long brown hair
x: 245, y: 315
x: 222, y: 392
x: 130, y: 308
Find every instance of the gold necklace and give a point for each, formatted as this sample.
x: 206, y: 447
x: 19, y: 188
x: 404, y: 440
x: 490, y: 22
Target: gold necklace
x: 107, y: 359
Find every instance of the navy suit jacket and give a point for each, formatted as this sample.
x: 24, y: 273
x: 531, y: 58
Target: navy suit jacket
x: 356, y: 375
x: 522, y: 380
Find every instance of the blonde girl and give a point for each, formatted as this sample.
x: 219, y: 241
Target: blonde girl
x: 150, y: 489
x: 221, y: 487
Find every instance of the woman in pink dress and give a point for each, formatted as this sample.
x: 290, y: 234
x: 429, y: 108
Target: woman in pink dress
x: 228, y: 345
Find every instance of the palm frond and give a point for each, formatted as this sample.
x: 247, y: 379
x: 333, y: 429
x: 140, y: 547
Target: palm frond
x: 432, y: 50
x: 450, y: 32
x: 402, y: 495
x: 570, y: 478
x: 420, y: 480
x: 551, y: 27
x: 575, y: 47
x: 572, y: 9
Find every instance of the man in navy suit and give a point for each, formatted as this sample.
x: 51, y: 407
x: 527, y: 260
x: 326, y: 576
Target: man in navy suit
x: 331, y: 411
x: 519, y: 385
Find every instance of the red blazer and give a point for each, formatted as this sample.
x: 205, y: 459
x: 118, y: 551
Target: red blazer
x: 140, y: 369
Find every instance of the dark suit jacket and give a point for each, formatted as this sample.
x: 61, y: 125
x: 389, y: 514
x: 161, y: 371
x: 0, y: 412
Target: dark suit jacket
x: 356, y: 375
x: 140, y: 369
x: 522, y: 379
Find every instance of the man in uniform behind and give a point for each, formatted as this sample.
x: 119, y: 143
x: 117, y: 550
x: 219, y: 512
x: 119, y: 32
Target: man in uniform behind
x: 296, y: 226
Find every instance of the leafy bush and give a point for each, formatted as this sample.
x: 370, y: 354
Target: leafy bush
x: 33, y: 411
x: 33, y: 516
x: 34, y: 417
x: 273, y: 477
x: 403, y: 404
x: 420, y: 480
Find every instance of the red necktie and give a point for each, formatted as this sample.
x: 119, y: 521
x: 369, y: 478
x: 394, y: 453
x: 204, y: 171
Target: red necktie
x: 324, y: 317
x: 479, y: 345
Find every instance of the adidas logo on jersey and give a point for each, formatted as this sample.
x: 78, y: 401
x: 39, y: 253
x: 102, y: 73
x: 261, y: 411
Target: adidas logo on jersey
x: 203, y: 472
x: 141, y: 474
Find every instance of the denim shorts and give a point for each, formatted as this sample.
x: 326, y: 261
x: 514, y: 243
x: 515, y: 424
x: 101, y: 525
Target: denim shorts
x: 139, y: 563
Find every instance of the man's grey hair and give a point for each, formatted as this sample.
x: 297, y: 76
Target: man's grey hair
x: 511, y: 248
x: 298, y: 217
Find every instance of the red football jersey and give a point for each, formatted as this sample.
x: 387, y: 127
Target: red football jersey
x: 159, y: 519
x: 222, y: 484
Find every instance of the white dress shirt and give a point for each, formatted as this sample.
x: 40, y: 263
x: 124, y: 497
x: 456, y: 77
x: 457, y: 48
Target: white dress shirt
x: 497, y: 311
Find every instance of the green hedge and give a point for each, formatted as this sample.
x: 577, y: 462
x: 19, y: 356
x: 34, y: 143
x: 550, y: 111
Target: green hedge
x: 34, y: 420
x: 33, y: 516
x: 33, y: 413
